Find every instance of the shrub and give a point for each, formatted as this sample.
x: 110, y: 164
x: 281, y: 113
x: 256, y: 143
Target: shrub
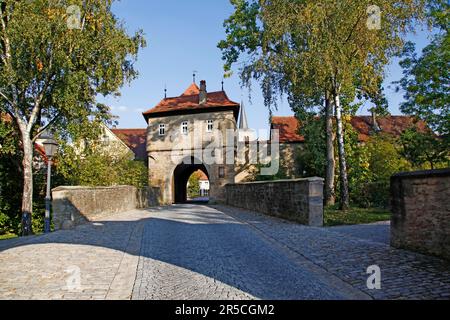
x: 97, y: 168
x: 371, y: 168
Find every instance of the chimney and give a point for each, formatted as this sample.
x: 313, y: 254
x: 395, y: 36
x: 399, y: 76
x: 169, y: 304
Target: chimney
x: 203, y: 94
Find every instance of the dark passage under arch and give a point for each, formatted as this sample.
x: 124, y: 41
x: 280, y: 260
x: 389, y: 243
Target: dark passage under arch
x: 181, y: 176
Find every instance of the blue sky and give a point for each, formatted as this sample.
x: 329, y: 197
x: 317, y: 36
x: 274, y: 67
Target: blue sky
x: 182, y: 37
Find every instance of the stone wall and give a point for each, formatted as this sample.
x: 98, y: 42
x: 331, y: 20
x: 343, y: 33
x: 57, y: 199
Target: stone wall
x: 421, y: 212
x: 289, y: 159
x: 76, y: 205
x: 300, y: 199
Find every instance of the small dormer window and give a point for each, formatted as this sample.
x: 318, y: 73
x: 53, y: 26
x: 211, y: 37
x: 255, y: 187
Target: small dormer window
x: 210, y: 126
x: 162, y: 129
x: 184, y: 127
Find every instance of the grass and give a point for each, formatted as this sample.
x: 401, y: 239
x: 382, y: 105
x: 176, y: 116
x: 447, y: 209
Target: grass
x: 335, y: 217
x: 7, y: 236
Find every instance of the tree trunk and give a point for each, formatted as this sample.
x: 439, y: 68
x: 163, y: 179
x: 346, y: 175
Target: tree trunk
x: 345, y: 202
x: 27, y: 197
x: 330, y: 197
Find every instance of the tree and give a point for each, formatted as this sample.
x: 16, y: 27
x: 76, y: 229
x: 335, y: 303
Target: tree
x: 100, y: 166
x: 194, y: 185
x: 421, y: 148
x: 312, y: 49
x: 10, y: 176
x: 426, y: 80
x: 312, y: 159
x: 55, y: 58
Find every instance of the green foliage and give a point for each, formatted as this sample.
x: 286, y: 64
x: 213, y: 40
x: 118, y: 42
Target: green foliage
x: 335, y: 217
x: 300, y: 48
x: 311, y: 49
x: 425, y: 150
x: 5, y: 224
x: 10, y: 178
x: 378, y: 160
x: 94, y: 167
x: 312, y: 159
x: 358, y: 166
x: 426, y: 78
x: 11, y: 196
x: 194, y: 186
x: 51, y: 75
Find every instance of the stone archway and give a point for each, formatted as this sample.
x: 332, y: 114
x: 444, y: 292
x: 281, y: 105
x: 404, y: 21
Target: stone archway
x: 181, y: 176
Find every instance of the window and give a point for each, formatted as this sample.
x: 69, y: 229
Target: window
x: 162, y: 129
x: 184, y: 127
x: 210, y: 126
x: 221, y: 172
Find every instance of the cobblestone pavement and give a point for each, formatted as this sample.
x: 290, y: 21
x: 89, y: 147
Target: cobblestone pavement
x: 104, y: 254
x: 376, y: 232
x: 196, y: 252
x: 346, y: 253
x: 205, y: 252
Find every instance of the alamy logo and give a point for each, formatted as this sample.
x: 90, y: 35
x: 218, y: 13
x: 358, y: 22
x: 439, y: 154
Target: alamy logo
x: 228, y: 147
x: 73, y: 281
x: 374, y: 19
x: 374, y: 280
x: 73, y: 17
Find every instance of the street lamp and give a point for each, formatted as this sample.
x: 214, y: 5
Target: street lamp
x: 50, y: 147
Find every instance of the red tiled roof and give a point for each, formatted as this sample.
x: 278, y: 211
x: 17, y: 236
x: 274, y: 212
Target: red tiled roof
x: 135, y: 139
x: 190, y: 102
x: 288, y: 128
x: 201, y: 175
x: 41, y: 151
x: 394, y: 125
x: 191, y: 90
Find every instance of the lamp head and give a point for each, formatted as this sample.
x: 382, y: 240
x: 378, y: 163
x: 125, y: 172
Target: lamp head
x: 50, y: 144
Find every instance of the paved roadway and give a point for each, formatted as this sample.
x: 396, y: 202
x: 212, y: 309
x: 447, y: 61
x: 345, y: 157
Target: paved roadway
x: 195, y: 252
x: 204, y: 252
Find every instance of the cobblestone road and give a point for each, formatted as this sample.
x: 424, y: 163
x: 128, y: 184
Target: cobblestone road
x: 346, y: 252
x: 195, y: 252
x: 200, y: 252
x: 104, y: 255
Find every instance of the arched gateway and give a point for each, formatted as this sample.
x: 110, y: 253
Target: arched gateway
x: 189, y: 133
x: 181, y: 176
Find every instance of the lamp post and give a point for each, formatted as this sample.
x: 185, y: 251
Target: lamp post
x: 50, y: 146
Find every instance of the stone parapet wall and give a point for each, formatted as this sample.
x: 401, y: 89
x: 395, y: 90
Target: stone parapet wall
x: 421, y: 212
x: 76, y: 205
x: 298, y: 199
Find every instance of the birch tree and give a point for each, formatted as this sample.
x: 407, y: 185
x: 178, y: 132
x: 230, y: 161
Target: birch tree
x: 56, y: 56
x: 334, y: 47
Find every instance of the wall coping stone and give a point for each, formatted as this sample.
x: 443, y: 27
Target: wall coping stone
x: 312, y: 179
x: 71, y: 188
x: 423, y: 174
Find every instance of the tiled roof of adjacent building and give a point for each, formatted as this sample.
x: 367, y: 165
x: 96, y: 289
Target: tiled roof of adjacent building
x: 135, y: 139
x: 189, y: 101
x: 201, y: 175
x: 395, y: 125
x: 288, y: 128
